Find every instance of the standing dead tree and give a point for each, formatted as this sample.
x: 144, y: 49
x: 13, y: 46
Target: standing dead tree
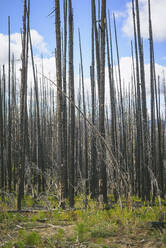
x: 61, y: 166
x: 22, y: 113
x: 72, y: 110
x: 103, y: 171
x: 145, y: 181
x: 85, y: 167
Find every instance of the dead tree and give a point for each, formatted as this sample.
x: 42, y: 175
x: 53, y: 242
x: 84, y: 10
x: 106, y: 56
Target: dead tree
x: 22, y: 113
x: 64, y: 101
x: 72, y: 110
x: 9, y: 115
x: 93, y: 169
x: 61, y: 167
x: 85, y: 169
x: 1, y: 138
x: 145, y: 180
x: 103, y: 171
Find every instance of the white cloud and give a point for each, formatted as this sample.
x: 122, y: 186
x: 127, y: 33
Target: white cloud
x: 158, y: 8
x: 39, y: 46
x: 37, y: 40
x: 120, y: 14
x: 126, y: 72
x: 126, y: 76
x: 49, y: 69
x: 49, y: 63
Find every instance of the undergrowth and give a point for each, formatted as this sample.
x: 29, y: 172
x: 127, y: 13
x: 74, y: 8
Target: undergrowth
x: 93, y: 225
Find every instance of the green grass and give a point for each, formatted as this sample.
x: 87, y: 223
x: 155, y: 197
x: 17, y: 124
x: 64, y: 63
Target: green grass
x: 164, y: 238
x: 81, y: 232
x: 29, y: 238
x: 92, y: 225
x: 39, y: 216
x: 25, y: 239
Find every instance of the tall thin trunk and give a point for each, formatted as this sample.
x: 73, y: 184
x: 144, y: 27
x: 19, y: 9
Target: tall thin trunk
x: 145, y: 171
x: 72, y: 110
x: 123, y: 131
x: 85, y: 174
x: 9, y: 116
x: 138, y: 112
x: 4, y: 123
x: 113, y: 102
x: 64, y: 101
x: 153, y: 136
x: 103, y: 179
x: 22, y: 114
x: 160, y: 160
x: 1, y: 138
x: 40, y: 161
x: 14, y: 124
x: 61, y: 166
x: 93, y: 176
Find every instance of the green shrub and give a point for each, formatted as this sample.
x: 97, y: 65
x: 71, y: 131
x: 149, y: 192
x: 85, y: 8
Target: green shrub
x: 102, y: 231
x: 29, y: 238
x: 39, y: 216
x: 28, y: 201
x: 19, y: 244
x: 8, y: 245
x: 81, y: 230
x: 164, y: 238
x: 60, y: 235
x: 32, y: 238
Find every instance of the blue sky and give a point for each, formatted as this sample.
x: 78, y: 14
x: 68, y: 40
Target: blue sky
x: 45, y: 25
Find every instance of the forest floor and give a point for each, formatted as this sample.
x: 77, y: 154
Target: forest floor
x: 38, y: 226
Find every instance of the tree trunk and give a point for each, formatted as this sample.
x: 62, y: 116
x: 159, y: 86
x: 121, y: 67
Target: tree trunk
x: 72, y: 110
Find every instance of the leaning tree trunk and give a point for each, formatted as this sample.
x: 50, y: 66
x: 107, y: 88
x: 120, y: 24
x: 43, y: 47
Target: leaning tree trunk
x: 85, y: 168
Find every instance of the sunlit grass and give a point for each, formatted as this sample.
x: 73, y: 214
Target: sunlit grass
x: 93, y: 224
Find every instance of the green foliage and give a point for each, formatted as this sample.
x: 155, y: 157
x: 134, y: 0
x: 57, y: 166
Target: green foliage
x: 39, y: 216
x: 81, y: 231
x: 101, y: 233
x: 8, y: 245
x: 19, y: 244
x: 59, y: 235
x: 115, y: 246
x: 28, y: 201
x: 58, y: 215
x: 55, y: 216
x: 19, y: 218
x: 92, y: 224
x: 1, y: 217
x: 103, y: 230
x: 25, y: 239
x: 29, y: 238
x: 10, y: 218
x: 8, y: 201
x: 164, y: 238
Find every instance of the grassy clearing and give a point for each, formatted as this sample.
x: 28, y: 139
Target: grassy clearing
x: 91, y: 227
